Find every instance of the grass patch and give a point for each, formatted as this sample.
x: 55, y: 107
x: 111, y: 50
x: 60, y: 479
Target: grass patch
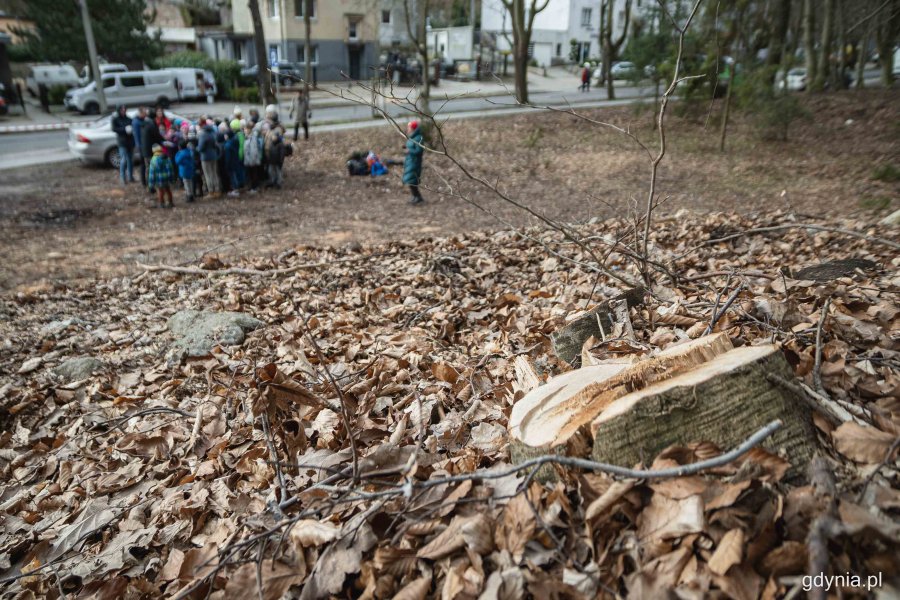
x: 886, y: 172
x: 879, y: 203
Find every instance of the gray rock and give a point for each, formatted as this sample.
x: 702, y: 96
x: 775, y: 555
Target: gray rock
x: 76, y: 369
x: 55, y: 327
x: 892, y: 219
x: 200, y: 331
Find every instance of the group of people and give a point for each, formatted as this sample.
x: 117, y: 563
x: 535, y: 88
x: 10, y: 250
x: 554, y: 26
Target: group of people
x: 225, y: 156
x: 210, y: 157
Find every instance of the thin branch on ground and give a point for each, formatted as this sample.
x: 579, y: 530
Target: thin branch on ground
x: 817, y: 367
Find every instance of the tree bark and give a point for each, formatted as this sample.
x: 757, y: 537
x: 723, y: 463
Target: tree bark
x: 861, y: 58
x: 611, y: 47
x: 416, y: 28
x: 824, y: 66
x: 263, y: 80
x: 780, y: 23
x: 809, y: 42
x: 723, y: 402
x: 887, y: 28
x: 522, y: 26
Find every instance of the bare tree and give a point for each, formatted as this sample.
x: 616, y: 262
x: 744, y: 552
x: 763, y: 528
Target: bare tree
x: 809, y: 41
x: 522, y: 25
x: 611, y: 47
x: 263, y: 80
x: 887, y: 28
x: 824, y: 65
x: 778, y: 34
x: 416, y: 13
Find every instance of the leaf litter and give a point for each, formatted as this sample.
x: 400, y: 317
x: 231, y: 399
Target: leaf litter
x: 233, y: 475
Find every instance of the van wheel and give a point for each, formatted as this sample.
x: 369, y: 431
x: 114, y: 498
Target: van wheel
x: 112, y: 158
x: 91, y: 108
x: 163, y: 101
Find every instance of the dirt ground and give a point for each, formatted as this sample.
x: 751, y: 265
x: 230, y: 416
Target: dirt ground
x: 68, y: 222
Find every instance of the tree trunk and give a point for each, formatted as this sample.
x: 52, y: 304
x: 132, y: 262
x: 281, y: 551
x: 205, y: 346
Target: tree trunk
x: 861, y: 58
x: 263, y: 80
x: 888, y: 24
x: 809, y: 42
x: 780, y: 24
x: 727, y: 109
x: 307, y: 47
x: 838, y: 75
x: 824, y: 66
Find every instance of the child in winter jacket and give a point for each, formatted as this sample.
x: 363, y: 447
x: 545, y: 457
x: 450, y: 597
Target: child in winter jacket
x: 184, y: 160
x: 253, y: 156
x: 233, y: 164
x: 161, y: 175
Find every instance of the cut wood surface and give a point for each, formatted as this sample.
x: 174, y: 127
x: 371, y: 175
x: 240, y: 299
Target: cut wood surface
x: 549, y: 416
x: 721, y: 401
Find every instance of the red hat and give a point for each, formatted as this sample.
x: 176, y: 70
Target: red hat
x: 413, y: 124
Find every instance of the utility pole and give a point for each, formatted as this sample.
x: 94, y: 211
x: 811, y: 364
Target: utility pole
x: 92, y: 52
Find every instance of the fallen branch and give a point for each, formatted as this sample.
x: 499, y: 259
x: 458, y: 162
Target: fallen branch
x: 258, y: 272
x: 817, y: 367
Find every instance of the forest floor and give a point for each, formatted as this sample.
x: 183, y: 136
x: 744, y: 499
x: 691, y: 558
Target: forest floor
x: 68, y: 222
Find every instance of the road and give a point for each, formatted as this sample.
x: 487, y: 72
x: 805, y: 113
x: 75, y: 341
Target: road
x: 25, y: 149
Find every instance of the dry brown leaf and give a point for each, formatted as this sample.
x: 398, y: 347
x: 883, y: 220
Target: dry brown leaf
x: 729, y: 552
x: 862, y: 444
x: 414, y: 590
x: 517, y: 527
x: 612, y: 495
x: 310, y: 533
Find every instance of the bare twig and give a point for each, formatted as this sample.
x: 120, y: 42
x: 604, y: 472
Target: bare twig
x: 817, y: 367
x: 718, y: 314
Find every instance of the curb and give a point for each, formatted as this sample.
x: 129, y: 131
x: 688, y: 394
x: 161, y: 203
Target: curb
x: 29, y: 128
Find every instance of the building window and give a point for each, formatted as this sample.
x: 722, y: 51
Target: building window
x: 586, y: 17
x: 559, y: 49
x: 301, y: 55
x: 353, y: 31
x: 300, y: 6
x: 274, y: 6
x: 386, y: 17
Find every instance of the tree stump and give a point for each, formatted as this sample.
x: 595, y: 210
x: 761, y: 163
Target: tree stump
x: 723, y: 401
x: 552, y: 417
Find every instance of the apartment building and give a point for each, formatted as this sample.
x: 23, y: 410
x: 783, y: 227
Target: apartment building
x: 344, y: 34
x: 556, y: 28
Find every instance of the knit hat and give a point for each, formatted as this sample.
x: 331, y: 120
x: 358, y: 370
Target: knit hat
x: 271, y: 109
x: 157, y: 148
x: 237, y: 111
x: 235, y: 124
x: 413, y: 124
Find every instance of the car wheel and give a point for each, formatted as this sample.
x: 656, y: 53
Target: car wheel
x: 91, y: 108
x: 162, y: 101
x: 112, y: 158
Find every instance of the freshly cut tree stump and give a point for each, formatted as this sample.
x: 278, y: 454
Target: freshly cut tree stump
x: 551, y: 417
x: 723, y: 401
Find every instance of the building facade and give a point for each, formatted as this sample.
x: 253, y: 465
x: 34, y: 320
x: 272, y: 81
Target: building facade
x: 567, y: 30
x: 344, y: 34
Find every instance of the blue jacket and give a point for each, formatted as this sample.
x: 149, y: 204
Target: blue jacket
x: 136, y: 126
x: 206, y: 145
x: 232, y: 152
x: 185, y: 161
x: 412, y: 166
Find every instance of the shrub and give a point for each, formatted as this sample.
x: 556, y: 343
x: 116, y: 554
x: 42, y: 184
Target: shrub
x: 772, y: 111
x: 57, y: 94
x: 886, y: 172
x: 226, y: 72
x: 245, y: 95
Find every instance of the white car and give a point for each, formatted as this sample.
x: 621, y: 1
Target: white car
x: 95, y: 142
x: 50, y: 75
x: 795, y: 80
x: 156, y: 88
x: 623, y: 70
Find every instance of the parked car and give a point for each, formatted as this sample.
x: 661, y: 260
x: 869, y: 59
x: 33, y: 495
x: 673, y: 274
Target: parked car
x: 194, y: 83
x: 623, y: 70
x: 95, y: 142
x: 4, y: 101
x: 795, y: 80
x: 289, y: 73
x: 130, y: 88
x: 50, y: 75
x: 85, y: 77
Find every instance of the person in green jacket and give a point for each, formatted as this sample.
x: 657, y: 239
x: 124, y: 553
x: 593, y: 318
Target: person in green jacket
x: 412, y: 166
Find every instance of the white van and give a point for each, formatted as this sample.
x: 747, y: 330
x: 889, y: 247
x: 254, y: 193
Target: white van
x: 85, y: 77
x: 194, y: 83
x: 50, y: 75
x: 130, y: 88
